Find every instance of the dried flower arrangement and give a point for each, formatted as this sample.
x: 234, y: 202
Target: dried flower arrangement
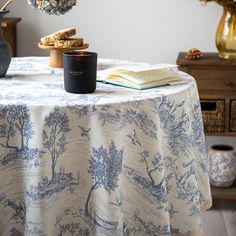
x: 51, y: 7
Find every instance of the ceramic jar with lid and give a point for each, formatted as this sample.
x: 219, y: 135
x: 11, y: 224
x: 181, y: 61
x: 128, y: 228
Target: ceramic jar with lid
x: 222, y: 159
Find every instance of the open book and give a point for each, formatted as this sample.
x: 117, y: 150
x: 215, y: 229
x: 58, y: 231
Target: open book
x: 141, y: 78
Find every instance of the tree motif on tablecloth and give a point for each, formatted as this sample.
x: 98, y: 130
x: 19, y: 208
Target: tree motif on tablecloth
x: 16, y: 125
x: 186, y: 189
x: 104, y: 167
x: 17, y: 119
x: 15, y: 232
x: 198, y: 136
x: 54, y: 137
x: 197, y: 127
x: 134, y: 117
x: 54, y: 140
x: 154, y: 182
x: 19, y: 209
x: 175, y: 123
x: 155, y: 166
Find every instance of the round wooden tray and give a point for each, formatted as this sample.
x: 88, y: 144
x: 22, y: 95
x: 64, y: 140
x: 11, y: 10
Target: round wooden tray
x: 56, y: 54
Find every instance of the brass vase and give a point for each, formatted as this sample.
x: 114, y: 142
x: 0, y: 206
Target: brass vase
x: 226, y: 35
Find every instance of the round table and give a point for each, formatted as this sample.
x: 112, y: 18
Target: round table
x: 114, y: 162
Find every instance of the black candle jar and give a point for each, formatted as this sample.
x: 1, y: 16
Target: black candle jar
x: 80, y: 71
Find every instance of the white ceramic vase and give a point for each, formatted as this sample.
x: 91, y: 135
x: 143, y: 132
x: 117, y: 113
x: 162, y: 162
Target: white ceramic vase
x: 222, y: 159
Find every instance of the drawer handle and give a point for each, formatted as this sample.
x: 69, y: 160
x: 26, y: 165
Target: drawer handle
x: 228, y: 83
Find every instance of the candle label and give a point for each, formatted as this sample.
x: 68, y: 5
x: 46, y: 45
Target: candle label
x: 76, y: 73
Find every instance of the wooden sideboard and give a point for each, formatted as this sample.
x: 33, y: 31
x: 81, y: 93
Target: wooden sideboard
x: 9, y: 26
x: 216, y: 81
x: 224, y: 193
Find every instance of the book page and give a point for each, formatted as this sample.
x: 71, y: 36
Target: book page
x: 140, y: 78
x: 157, y: 76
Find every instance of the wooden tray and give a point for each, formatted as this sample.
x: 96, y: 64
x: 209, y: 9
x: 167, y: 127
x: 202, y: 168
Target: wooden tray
x: 56, y: 54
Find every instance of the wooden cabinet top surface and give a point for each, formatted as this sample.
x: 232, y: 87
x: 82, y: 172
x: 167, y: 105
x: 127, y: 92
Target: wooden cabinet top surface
x: 224, y: 193
x: 8, y: 21
x: 209, y: 59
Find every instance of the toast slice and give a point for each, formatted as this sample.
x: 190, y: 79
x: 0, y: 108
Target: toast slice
x: 69, y: 43
x: 58, y: 35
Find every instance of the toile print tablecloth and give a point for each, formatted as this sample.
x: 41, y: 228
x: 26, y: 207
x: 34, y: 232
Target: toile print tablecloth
x: 111, y: 163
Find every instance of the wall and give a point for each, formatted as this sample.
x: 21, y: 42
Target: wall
x: 139, y: 30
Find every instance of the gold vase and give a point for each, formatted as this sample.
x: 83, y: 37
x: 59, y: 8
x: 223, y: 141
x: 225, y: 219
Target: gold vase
x: 226, y: 35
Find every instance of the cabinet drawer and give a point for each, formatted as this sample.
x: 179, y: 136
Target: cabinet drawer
x: 213, y: 113
x: 232, y: 126
x: 214, y: 79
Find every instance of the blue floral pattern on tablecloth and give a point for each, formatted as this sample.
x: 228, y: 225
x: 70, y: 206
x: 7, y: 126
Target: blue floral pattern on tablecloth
x: 114, y: 162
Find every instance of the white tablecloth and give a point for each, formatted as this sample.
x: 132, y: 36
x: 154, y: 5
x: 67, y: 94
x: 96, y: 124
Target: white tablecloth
x: 115, y: 162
